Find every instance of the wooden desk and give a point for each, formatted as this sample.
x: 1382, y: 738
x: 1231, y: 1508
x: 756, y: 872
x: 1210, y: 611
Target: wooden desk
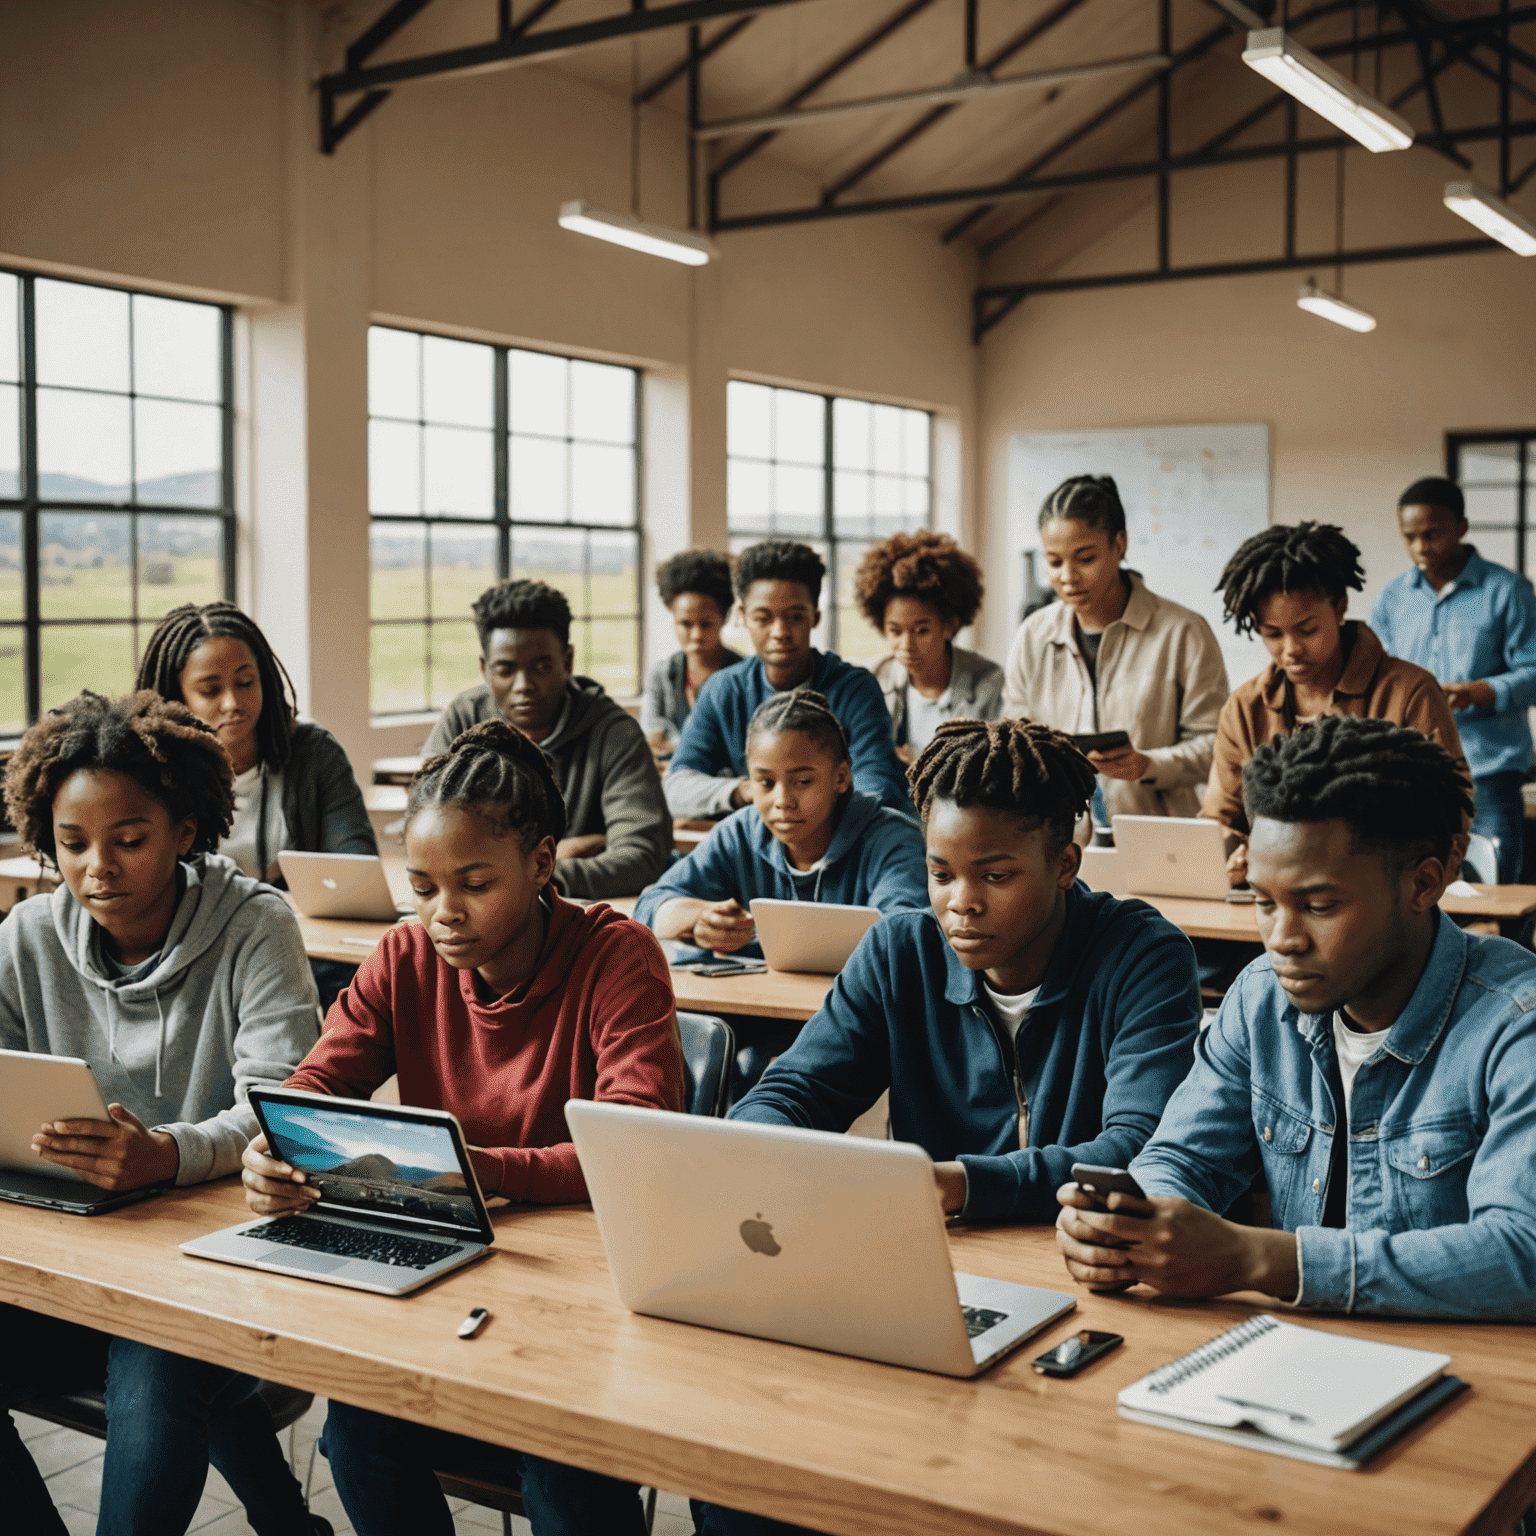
x: 841, y: 1445
x: 395, y: 770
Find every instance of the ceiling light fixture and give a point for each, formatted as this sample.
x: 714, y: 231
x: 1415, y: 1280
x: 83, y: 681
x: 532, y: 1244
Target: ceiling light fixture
x: 1328, y: 306
x: 654, y: 239
x: 1492, y: 215
x: 1303, y: 75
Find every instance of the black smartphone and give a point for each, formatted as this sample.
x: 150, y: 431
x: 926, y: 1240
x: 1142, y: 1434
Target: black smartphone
x: 730, y: 967
x: 1074, y: 1354
x: 1103, y: 1182
x: 1102, y: 741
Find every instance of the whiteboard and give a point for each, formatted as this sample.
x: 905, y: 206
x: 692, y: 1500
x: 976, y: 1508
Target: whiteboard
x: 1191, y: 495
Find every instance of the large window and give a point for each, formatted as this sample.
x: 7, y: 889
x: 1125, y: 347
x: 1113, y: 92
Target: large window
x: 1497, y: 474
x: 835, y: 473
x: 116, y: 490
x: 486, y: 462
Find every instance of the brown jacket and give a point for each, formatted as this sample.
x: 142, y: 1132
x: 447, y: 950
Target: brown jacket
x: 1373, y: 685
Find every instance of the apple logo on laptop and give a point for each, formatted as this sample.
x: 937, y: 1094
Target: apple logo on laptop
x: 758, y: 1236
x: 328, y: 883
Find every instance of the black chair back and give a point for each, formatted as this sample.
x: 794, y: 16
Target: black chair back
x: 709, y: 1048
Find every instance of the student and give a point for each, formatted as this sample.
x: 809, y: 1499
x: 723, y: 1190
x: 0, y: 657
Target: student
x: 1378, y: 1065
x: 807, y: 836
x: 1472, y: 624
x: 183, y: 983
x: 1291, y: 586
x: 778, y: 584
x: 919, y: 590
x: 619, y: 835
x: 695, y: 586
x: 503, y: 1002
x: 1113, y: 656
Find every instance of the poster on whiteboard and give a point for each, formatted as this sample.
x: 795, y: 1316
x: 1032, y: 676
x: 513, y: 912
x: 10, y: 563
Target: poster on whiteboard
x: 1191, y: 496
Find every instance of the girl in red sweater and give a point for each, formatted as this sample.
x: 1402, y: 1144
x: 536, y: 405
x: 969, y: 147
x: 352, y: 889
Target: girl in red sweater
x: 503, y: 1002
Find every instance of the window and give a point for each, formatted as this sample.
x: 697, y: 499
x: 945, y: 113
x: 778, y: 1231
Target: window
x: 116, y: 482
x: 486, y: 462
x: 835, y: 473
x: 1497, y: 474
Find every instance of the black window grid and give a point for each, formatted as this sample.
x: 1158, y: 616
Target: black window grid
x: 33, y: 506
x: 1523, y: 441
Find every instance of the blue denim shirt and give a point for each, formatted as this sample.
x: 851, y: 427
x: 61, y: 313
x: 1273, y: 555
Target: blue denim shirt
x: 1481, y: 626
x: 1442, y: 1136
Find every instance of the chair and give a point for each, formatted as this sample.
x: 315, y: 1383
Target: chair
x: 1481, y: 864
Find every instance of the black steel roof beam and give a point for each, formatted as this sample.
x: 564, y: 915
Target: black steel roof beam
x: 1524, y: 176
x: 680, y: 69
x: 1439, y: 31
x: 1424, y: 48
x: 384, y: 27
x: 538, y: 13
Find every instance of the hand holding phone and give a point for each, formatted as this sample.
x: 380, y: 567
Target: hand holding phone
x: 1101, y: 1183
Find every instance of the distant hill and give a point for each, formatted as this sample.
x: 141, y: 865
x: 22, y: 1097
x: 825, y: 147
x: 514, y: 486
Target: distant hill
x: 194, y: 488
x: 375, y: 1168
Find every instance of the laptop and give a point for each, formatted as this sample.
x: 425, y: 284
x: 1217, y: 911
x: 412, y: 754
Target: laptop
x: 1168, y: 856
x: 399, y: 1202
x: 350, y: 886
x: 809, y: 936
x: 37, y: 1089
x: 831, y: 1242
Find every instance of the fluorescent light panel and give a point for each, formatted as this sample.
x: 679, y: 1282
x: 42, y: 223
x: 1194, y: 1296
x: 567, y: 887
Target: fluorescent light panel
x: 1492, y: 215
x: 1303, y: 75
x: 1316, y: 301
x: 654, y: 239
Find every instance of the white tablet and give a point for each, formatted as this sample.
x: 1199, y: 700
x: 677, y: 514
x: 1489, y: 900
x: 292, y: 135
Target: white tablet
x: 809, y: 936
x: 35, y: 1090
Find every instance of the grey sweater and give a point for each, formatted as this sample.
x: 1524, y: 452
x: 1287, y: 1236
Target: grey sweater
x: 231, y: 1005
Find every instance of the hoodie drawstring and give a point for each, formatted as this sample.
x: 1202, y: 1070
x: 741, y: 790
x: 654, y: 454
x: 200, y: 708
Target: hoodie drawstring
x: 159, y: 1045
x: 816, y: 890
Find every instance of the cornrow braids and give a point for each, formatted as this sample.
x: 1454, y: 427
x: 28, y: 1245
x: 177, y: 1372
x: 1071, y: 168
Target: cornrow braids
x: 157, y: 742
x: 1399, y: 791
x: 180, y: 633
x: 1090, y: 499
x: 1014, y: 766
x: 803, y: 710
x: 924, y: 565
x: 697, y: 570
x: 495, y: 770
x: 1311, y: 557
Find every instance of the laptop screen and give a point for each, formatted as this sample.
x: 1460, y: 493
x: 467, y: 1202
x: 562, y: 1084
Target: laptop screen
x: 373, y: 1164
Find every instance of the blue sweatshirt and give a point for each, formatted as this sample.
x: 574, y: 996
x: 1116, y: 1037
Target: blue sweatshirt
x: 875, y: 859
x: 1109, y: 1037
x: 714, y: 739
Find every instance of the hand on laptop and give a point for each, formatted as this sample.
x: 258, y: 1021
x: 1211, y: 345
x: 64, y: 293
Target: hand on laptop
x: 723, y: 927
x: 1122, y: 763
x: 120, y: 1153
x: 273, y: 1188
x: 581, y: 847
x: 953, y: 1188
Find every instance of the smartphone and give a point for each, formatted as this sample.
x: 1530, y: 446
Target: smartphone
x: 1103, y: 1182
x: 1102, y: 741
x: 730, y: 968
x: 1075, y: 1354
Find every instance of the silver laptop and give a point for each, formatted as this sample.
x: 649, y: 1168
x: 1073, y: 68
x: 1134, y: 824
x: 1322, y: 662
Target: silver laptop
x: 811, y: 936
x: 399, y: 1203
x: 832, y: 1242
x: 37, y: 1089
x: 350, y: 886
x: 1168, y: 856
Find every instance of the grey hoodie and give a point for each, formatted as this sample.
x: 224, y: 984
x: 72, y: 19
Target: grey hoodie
x: 230, y: 1005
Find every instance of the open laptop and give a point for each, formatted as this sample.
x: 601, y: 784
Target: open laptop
x: 37, y: 1089
x: 832, y: 1242
x: 399, y: 1203
x: 810, y: 936
x: 1166, y: 856
x: 350, y: 886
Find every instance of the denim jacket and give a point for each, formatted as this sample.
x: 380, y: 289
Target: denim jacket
x: 1442, y: 1137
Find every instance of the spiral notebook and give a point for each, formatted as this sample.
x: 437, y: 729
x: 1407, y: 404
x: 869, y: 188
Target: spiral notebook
x: 1323, y: 1397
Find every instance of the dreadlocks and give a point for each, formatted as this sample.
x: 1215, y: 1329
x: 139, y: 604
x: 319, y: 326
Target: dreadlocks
x: 185, y: 628
x: 496, y: 771
x: 161, y: 745
x: 1025, y: 770
x: 1312, y: 557
x: 1398, y: 791
x: 803, y: 710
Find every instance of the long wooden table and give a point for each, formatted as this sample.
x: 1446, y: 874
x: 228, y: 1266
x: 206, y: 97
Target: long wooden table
x: 841, y: 1445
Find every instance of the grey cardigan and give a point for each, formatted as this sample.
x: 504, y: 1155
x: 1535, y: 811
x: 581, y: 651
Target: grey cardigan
x: 975, y: 690
x: 322, y: 803
x: 664, y: 705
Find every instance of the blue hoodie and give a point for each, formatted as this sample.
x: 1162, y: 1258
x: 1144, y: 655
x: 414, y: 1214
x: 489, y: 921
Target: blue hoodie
x: 714, y: 739
x: 1109, y: 1037
x: 875, y: 859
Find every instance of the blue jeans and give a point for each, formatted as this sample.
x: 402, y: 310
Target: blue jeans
x: 167, y: 1418
x: 384, y: 1473
x: 717, y: 1520
x: 1501, y: 816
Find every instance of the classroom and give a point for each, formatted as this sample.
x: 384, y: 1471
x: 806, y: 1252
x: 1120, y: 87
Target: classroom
x: 766, y: 767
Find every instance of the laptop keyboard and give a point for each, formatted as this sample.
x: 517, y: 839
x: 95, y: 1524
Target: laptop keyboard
x: 355, y: 1242
x: 979, y: 1319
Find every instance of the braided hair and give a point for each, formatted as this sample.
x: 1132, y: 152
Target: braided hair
x: 803, y: 710
x: 924, y: 565
x: 702, y: 571
x: 180, y: 633
x: 1398, y: 790
x: 1025, y: 770
x: 157, y: 742
x: 1311, y: 557
x: 497, y: 772
x: 780, y: 560
x: 1093, y: 500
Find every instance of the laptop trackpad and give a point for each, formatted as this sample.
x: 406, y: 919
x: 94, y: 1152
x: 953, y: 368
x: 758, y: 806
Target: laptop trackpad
x: 299, y: 1258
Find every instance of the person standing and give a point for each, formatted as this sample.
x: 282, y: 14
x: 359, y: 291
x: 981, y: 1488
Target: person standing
x: 1473, y: 624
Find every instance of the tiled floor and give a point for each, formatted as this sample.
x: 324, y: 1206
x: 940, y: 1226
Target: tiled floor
x: 72, y: 1464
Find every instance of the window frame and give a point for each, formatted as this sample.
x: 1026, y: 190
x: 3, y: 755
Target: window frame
x: 33, y: 505
x: 501, y: 521
x: 1523, y: 440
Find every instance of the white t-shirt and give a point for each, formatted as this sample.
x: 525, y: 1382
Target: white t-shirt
x: 240, y: 845
x: 1354, y: 1046
x: 925, y: 716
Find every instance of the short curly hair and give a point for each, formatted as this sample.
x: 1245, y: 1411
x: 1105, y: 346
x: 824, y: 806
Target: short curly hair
x: 522, y: 604
x: 697, y: 570
x: 780, y: 560
x: 158, y: 743
x: 927, y: 566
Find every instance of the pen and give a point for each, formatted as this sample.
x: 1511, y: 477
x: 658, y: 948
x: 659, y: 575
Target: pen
x: 1285, y: 1413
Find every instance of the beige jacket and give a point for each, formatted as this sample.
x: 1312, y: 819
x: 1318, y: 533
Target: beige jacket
x: 1160, y: 678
